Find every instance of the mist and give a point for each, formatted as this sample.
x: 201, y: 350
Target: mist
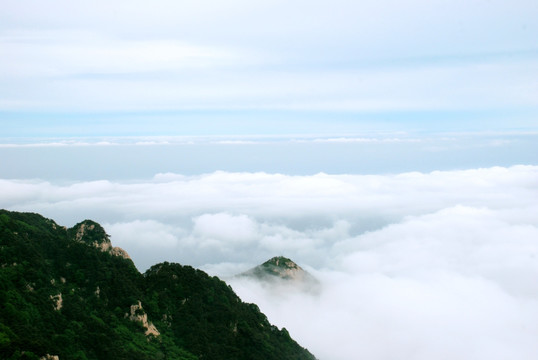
x: 412, y: 265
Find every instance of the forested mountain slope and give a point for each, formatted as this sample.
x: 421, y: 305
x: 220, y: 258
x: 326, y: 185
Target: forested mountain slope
x: 68, y: 294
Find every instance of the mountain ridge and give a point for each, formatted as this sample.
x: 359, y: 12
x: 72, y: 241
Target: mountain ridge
x: 67, y: 294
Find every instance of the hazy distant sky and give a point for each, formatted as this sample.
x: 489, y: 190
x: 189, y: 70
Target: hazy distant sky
x: 389, y: 147
x: 115, y: 68
x: 294, y: 87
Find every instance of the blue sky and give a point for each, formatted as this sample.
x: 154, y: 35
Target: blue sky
x: 270, y: 67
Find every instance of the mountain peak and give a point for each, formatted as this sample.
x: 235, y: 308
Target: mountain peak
x: 91, y: 233
x: 280, y: 269
x: 281, y: 262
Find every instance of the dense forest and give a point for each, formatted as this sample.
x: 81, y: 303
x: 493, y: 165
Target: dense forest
x: 68, y: 294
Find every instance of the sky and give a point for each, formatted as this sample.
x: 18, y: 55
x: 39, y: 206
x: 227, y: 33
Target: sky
x: 267, y: 67
x: 387, y: 147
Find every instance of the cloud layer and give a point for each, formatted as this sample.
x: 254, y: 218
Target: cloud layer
x: 372, y: 56
x: 412, y: 265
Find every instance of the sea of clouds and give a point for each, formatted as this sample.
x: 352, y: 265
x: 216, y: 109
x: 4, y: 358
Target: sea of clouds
x: 439, y: 265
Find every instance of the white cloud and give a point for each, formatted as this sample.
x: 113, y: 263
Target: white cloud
x: 361, y: 140
x: 237, y: 229
x: 75, y: 53
x: 367, y: 56
x: 287, y: 200
x: 146, y: 240
x: 145, y: 233
x: 376, y: 26
x: 414, y: 265
x: 460, y: 282
x: 177, y: 77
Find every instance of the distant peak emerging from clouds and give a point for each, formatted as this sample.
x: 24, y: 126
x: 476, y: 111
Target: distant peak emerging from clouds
x: 280, y: 269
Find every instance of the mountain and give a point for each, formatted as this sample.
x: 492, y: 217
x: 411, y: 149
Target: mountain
x: 283, y: 271
x: 69, y: 294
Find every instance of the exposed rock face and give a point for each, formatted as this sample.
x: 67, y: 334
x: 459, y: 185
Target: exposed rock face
x: 58, y: 301
x: 81, y: 230
x: 137, y: 314
x: 93, y: 234
x: 117, y: 251
x: 50, y: 357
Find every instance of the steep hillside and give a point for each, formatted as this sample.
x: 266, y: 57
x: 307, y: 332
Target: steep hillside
x: 69, y: 294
